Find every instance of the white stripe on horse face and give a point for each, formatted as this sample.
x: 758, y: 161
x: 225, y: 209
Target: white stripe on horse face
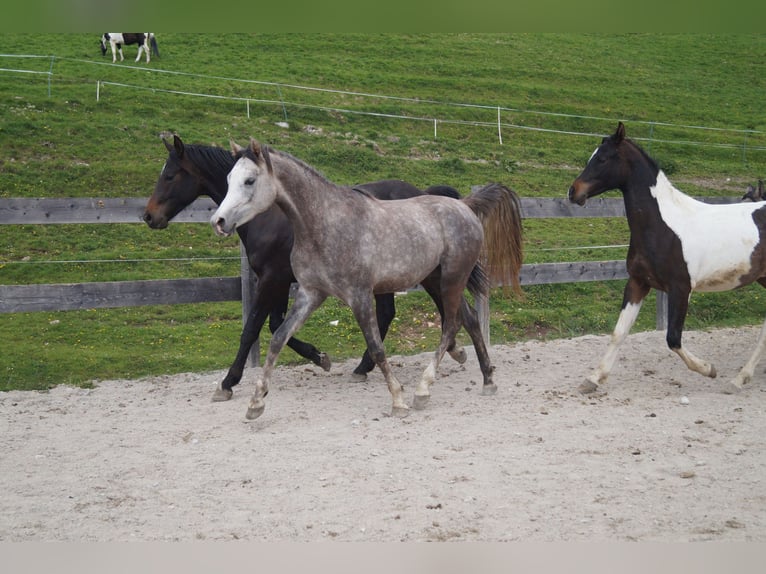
x: 717, y: 240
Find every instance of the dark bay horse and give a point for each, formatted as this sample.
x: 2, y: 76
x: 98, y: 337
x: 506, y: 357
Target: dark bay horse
x: 677, y: 245
x: 191, y: 171
x: 391, y: 245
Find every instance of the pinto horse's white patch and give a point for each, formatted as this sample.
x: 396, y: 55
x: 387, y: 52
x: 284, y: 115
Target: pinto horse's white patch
x: 717, y: 240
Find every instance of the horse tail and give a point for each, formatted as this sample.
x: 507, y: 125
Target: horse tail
x: 499, y: 209
x: 153, y: 44
x: 444, y: 191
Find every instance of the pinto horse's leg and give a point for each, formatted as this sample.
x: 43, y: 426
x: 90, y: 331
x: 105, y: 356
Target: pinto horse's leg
x: 361, y: 304
x: 632, y: 299
x: 306, y: 302
x: 678, y: 305
x: 385, y: 311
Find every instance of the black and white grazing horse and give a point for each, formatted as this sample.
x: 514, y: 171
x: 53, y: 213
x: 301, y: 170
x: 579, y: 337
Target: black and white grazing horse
x: 677, y: 245
x: 145, y: 40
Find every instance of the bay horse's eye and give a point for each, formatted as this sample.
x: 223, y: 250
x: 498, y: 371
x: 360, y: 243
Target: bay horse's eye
x: 250, y: 181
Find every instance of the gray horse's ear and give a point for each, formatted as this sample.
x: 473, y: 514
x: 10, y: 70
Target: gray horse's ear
x: 235, y: 148
x: 262, y: 151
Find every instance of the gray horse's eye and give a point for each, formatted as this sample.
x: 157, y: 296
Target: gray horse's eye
x: 250, y: 181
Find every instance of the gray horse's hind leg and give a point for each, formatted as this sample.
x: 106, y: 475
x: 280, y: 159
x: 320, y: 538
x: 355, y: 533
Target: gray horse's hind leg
x: 362, y: 306
x: 473, y: 326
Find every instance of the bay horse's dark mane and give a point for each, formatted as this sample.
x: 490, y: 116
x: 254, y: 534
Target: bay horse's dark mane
x: 215, y: 160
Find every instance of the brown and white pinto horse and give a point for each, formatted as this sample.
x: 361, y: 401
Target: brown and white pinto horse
x: 677, y: 245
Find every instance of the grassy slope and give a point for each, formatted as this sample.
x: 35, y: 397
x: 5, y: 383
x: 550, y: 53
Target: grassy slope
x: 70, y: 145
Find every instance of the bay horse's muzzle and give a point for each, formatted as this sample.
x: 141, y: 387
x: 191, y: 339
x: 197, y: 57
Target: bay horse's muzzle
x: 578, y: 192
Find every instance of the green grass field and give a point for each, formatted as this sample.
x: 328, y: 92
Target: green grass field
x: 359, y: 107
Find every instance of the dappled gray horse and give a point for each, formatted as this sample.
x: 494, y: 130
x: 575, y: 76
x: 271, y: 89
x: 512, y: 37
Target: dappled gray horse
x: 350, y: 245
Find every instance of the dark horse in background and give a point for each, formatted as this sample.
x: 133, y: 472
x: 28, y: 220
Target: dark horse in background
x: 191, y: 171
x: 145, y: 40
x: 677, y: 245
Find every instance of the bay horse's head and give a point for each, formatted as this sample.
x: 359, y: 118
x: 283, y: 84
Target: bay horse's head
x: 176, y: 187
x: 252, y: 188
x: 606, y: 169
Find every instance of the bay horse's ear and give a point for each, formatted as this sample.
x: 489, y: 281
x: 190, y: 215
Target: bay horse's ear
x: 235, y: 148
x: 178, y: 145
x: 619, y: 135
x: 263, y: 151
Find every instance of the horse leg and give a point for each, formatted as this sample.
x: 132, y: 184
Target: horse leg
x: 450, y: 327
x: 473, y: 326
x: 278, y: 305
x: 385, y: 311
x: 632, y: 299
x: 306, y: 302
x: 431, y: 286
x: 140, y: 49
x: 249, y: 336
x: 746, y: 373
x: 678, y: 305
x: 362, y: 306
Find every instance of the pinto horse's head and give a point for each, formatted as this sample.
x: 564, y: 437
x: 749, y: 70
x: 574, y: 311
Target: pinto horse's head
x: 175, y: 189
x: 252, y: 188
x: 604, y: 170
x: 104, y: 40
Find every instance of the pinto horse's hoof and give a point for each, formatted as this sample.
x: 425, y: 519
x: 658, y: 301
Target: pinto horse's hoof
x: 587, y: 387
x: 221, y: 395
x: 324, y: 361
x: 489, y: 389
x: 358, y: 377
x: 420, y: 402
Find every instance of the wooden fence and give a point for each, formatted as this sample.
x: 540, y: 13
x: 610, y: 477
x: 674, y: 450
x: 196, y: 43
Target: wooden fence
x: 64, y: 297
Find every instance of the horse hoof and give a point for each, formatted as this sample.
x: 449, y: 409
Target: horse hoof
x: 587, y: 387
x: 459, y: 355
x: 254, y: 412
x: 731, y: 389
x: 221, y: 395
x: 713, y: 374
x: 489, y: 389
x: 324, y: 361
x: 400, y: 412
x: 420, y: 402
x: 358, y: 377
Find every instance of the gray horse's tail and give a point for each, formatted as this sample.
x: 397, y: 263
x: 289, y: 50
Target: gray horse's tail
x: 499, y: 209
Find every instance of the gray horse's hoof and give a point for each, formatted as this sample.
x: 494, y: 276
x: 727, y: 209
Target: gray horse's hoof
x: 221, y: 395
x: 400, y: 412
x: 730, y: 389
x: 420, y: 402
x: 324, y: 361
x: 254, y: 412
x: 587, y: 387
x: 489, y: 389
x: 358, y: 377
x: 459, y: 355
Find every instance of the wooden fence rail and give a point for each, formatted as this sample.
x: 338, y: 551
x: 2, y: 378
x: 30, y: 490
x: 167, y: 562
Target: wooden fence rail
x: 60, y: 297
